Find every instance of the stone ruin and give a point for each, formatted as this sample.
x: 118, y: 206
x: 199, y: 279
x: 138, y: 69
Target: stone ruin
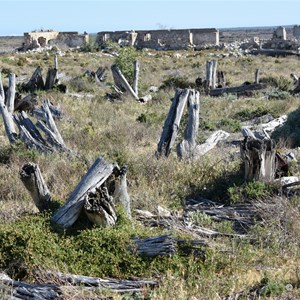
x: 175, y: 39
x: 37, y: 39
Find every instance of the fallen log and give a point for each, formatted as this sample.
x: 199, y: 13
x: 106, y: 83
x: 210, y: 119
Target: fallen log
x: 94, y: 178
x: 237, y: 89
x: 259, y: 159
x: 187, y: 148
x: 172, y: 122
x: 32, y: 179
x: 275, y: 52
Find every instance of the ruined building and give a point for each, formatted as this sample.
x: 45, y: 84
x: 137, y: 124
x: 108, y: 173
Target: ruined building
x: 36, y: 39
x: 175, y: 39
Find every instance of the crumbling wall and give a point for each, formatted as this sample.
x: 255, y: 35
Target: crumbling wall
x: 175, y: 39
x: 36, y: 39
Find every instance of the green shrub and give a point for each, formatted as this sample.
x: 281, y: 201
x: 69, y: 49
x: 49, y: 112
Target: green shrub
x: 250, y: 113
x: 280, y: 82
x: 176, y: 82
x: 229, y: 124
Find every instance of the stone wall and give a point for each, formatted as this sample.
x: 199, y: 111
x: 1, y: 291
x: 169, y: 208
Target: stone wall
x: 178, y: 39
x: 36, y: 39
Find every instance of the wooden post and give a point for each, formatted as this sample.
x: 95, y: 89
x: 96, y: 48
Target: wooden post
x: 36, y: 81
x: 51, y: 78
x: 221, y: 79
x: 94, y: 178
x: 209, y: 71
x: 136, y: 72
x: 32, y: 178
x: 121, y: 81
x: 214, y: 74
x: 56, y: 62
x: 10, y: 101
x: 186, y: 149
x: 259, y: 159
x: 257, y: 72
x: 7, y: 116
x: 172, y: 122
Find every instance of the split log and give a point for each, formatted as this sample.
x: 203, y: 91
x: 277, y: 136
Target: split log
x: 7, y: 116
x: 36, y: 81
x: 237, y: 89
x: 99, y: 208
x: 186, y: 149
x: 32, y: 179
x: 211, y: 142
x: 259, y: 159
x: 221, y: 79
x: 257, y: 72
x: 172, y: 122
x: 272, y: 125
x: 51, y: 78
x: 121, y: 82
x: 120, y: 194
x: 136, y: 72
x: 94, y: 178
x: 10, y: 101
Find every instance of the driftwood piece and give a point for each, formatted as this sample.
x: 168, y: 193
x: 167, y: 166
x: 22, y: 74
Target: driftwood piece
x: 211, y: 142
x: 111, y: 284
x: 136, y: 72
x: 259, y: 159
x: 120, y: 193
x: 172, y: 122
x: 99, y: 208
x: 94, y: 178
x: 7, y: 116
x: 51, y: 78
x: 32, y: 179
x: 272, y: 125
x: 237, y: 89
x: 121, y: 82
x: 10, y: 101
x: 186, y: 149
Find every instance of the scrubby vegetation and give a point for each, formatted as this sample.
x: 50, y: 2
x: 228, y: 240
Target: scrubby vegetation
x: 261, y: 264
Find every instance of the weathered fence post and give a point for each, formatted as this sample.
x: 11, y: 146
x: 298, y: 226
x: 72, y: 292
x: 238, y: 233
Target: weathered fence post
x: 10, y: 101
x: 257, y: 72
x: 136, y: 72
x: 214, y: 74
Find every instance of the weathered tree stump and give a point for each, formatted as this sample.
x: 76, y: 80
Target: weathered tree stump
x: 51, y: 78
x: 136, y: 72
x: 36, y: 81
x: 32, y: 179
x: 259, y: 159
x: 172, y: 123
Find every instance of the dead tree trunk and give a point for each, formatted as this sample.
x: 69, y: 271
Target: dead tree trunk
x: 221, y: 79
x: 121, y: 82
x: 120, y: 193
x: 10, y: 101
x: 7, y: 116
x: 259, y: 159
x: 136, y: 77
x: 51, y: 78
x: 209, y: 72
x: 214, y: 74
x: 186, y: 149
x: 32, y: 178
x: 56, y: 62
x: 172, y: 122
x: 94, y: 178
x: 99, y: 208
x: 36, y: 81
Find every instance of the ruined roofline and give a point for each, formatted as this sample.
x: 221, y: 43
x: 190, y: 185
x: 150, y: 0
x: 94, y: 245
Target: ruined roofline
x: 208, y: 30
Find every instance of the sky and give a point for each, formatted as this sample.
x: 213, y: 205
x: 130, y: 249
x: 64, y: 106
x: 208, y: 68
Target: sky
x: 93, y: 16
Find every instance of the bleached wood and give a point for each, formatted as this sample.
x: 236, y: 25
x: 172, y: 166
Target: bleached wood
x: 94, y: 178
x: 172, y: 122
x: 237, y: 89
x: 186, y: 149
x: 209, y: 72
x: 32, y: 179
x: 122, y: 82
x: 10, y: 101
x: 214, y: 74
x: 136, y: 72
x: 56, y: 62
x: 257, y: 73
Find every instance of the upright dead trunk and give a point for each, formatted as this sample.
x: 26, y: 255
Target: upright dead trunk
x: 136, y: 73
x: 93, y: 179
x: 259, y: 159
x: 257, y: 72
x: 51, y: 78
x: 221, y: 79
x: 214, y: 74
x: 36, y: 81
x: 186, y: 149
x: 209, y: 72
x: 10, y: 101
x: 172, y: 122
x: 32, y: 178
x: 56, y: 62
x: 121, y: 82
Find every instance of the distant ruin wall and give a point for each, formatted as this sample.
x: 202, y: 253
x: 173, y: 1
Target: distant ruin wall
x: 179, y: 39
x: 36, y: 39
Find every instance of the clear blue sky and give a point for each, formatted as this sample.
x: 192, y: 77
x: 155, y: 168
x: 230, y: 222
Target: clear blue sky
x: 94, y: 16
